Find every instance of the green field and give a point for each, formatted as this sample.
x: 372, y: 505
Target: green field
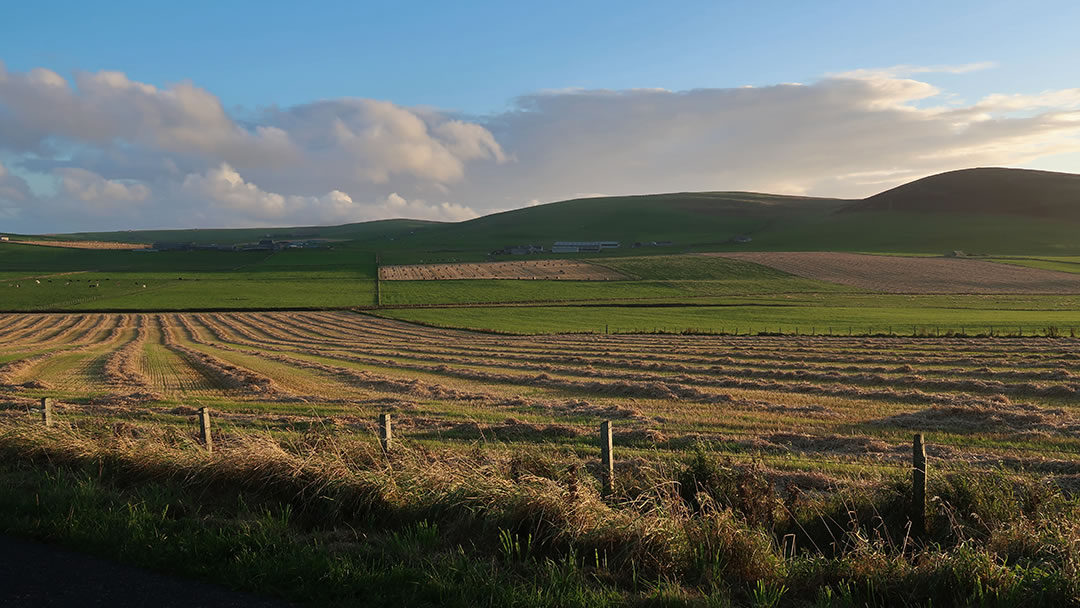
x: 47, y: 278
x: 663, y: 278
x: 836, y: 314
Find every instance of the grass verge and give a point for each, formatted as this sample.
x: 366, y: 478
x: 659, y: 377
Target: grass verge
x: 327, y: 519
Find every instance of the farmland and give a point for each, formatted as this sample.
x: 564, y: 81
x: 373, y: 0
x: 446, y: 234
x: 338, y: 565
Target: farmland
x: 900, y: 274
x: 526, y: 270
x: 762, y: 399
x: 982, y: 395
x: 495, y: 448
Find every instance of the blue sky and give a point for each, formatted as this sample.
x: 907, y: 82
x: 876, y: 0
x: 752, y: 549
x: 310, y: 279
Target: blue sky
x: 267, y: 64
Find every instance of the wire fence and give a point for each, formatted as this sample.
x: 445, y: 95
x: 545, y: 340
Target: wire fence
x: 994, y: 461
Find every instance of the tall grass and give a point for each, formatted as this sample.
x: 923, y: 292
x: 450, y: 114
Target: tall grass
x: 526, y: 527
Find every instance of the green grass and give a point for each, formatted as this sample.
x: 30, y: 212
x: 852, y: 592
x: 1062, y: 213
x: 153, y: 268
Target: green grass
x: 668, y: 278
x: 908, y: 317
x: 326, y: 519
x: 183, y: 280
x: 427, y: 293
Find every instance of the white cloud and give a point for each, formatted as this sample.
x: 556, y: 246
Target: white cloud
x: 396, y: 206
x: 224, y: 193
x: 781, y: 138
x: 174, y: 156
x: 90, y: 187
x: 230, y: 196
x: 898, y: 71
x: 106, y: 106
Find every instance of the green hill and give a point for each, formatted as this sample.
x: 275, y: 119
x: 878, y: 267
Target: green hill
x: 1019, y: 192
x: 381, y: 229
x: 990, y: 210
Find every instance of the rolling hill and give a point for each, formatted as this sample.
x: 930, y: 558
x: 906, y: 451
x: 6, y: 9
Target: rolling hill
x: 1022, y: 192
x: 986, y: 210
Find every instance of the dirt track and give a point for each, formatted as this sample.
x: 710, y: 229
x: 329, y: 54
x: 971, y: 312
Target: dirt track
x: 894, y: 274
x: 567, y: 270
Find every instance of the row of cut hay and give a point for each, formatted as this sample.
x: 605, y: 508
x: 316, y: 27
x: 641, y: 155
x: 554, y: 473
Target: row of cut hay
x: 991, y: 357
x: 663, y: 387
x: 905, y: 375
x: 417, y: 388
x: 13, y: 371
x: 63, y: 331
x: 243, y: 328
x: 221, y: 372
x: 294, y: 327
x: 122, y: 369
x: 29, y: 331
x: 255, y: 330
x: 681, y: 387
x: 369, y: 380
x: 216, y: 331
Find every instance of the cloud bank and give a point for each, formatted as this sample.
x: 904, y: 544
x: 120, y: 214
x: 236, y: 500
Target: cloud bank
x: 101, y: 151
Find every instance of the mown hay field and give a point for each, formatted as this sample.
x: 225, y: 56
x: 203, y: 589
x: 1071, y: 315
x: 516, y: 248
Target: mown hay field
x: 812, y: 409
x: 110, y: 245
x: 551, y: 270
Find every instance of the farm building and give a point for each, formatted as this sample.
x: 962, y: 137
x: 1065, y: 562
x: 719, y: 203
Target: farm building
x: 583, y: 246
x: 4, y: 238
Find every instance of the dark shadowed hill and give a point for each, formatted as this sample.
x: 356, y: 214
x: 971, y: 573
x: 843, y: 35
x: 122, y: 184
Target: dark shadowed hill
x: 1042, y: 194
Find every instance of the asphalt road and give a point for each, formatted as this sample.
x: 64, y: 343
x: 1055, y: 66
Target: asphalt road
x: 37, y: 575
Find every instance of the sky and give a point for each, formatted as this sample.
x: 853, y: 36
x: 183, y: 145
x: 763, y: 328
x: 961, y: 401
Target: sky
x: 126, y: 115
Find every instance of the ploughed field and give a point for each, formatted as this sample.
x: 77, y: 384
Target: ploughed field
x: 898, y: 274
x: 813, y: 409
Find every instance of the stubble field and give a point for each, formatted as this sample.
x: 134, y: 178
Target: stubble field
x: 549, y: 270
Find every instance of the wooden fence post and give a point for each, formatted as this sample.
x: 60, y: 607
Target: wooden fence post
x: 204, y: 428
x: 918, y: 486
x: 606, y: 458
x: 386, y: 434
x: 47, y: 411
x: 378, y: 281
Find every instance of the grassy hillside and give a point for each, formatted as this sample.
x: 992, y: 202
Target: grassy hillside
x: 378, y: 230
x: 691, y: 221
x: 993, y: 211
x: 987, y: 190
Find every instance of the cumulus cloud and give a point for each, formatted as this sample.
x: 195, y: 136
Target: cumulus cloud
x: 222, y: 190
x: 90, y: 187
x: 40, y: 106
x: 174, y: 156
x: 790, y: 138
